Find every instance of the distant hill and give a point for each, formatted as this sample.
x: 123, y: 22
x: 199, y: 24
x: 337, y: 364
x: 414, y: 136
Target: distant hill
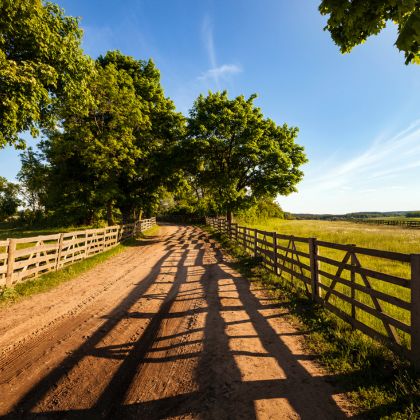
x: 356, y: 215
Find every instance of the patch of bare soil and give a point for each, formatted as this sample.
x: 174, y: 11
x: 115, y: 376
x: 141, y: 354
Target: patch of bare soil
x: 164, y: 330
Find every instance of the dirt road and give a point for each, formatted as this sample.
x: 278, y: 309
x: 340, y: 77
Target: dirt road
x: 167, y: 329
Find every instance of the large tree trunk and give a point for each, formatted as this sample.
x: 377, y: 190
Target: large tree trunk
x: 109, y: 217
x: 229, y: 216
x: 126, y: 213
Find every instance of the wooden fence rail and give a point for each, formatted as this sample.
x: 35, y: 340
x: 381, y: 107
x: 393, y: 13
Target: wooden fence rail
x: 383, y: 303
x: 26, y: 258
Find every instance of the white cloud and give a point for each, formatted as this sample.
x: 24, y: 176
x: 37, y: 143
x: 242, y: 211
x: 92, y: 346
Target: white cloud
x: 215, y: 72
x: 219, y: 72
x: 383, y: 157
x: 207, y: 31
x: 382, y: 177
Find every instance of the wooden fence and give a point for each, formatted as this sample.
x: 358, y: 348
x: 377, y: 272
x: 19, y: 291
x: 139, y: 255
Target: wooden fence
x: 26, y: 258
x: 377, y: 292
x: 413, y: 224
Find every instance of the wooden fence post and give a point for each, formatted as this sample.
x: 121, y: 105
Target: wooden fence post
x: 275, y: 252
x: 415, y: 310
x: 10, y: 261
x: 353, y: 281
x: 86, y: 244
x: 313, y: 258
x: 103, y: 239
x: 60, y: 249
x: 255, y: 243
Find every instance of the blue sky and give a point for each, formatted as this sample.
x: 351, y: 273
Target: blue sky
x: 358, y: 114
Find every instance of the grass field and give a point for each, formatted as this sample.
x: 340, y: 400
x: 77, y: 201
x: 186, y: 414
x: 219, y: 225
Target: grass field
x: 387, y: 238
x: 381, y: 237
x: 7, y: 231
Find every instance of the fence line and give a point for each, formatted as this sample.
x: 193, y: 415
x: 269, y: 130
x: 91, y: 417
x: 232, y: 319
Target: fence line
x: 383, y: 303
x: 26, y: 258
x: 414, y: 224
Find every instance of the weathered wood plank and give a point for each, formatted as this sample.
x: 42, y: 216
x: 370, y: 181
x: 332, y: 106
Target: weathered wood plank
x: 371, y: 292
x: 367, y: 272
x: 297, y: 252
x: 389, y: 255
x: 370, y: 332
x: 35, y: 249
x: 372, y: 311
x: 35, y: 239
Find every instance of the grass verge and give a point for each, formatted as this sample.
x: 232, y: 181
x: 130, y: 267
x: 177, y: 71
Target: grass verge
x: 377, y: 382
x: 50, y: 280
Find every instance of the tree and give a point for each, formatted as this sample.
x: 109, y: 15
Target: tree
x: 9, y: 200
x: 33, y: 179
x: 264, y: 208
x: 95, y: 150
x: 237, y: 154
x: 351, y: 22
x: 42, y: 68
x: 117, y: 155
x: 156, y: 167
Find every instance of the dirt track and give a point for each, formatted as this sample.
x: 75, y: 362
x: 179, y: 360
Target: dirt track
x: 164, y: 330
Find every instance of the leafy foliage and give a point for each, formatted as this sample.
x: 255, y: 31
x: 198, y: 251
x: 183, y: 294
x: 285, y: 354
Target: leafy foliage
x: 33, y: 179
x: 263, y: 209
x: 237, y: 155
x: 351, y: 22
x: 9, y: 200
x: 413, y: 214
x: 42, y: 68
x: 114, y: 156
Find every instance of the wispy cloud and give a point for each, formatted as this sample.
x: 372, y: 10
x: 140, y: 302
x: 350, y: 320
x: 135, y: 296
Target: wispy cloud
x: 218, y: 72
x: 215, y: 72
x: 207, y: 32
x: 385, y: 157
x: 382, y: 177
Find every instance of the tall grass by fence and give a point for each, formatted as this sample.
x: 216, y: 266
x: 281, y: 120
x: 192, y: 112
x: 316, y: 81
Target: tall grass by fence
x: 26, y: 258
x: 377, y: 292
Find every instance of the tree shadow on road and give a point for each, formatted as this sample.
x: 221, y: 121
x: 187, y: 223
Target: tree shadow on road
x: 245, y: 366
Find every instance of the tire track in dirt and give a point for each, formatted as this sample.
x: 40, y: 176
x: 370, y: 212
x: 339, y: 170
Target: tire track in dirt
x: 16, y: 324
x: 23, y: 363
x: 172, y: 331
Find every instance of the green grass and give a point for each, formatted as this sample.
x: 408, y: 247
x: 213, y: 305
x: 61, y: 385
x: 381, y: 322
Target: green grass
x: 387, y: 238
x: 6, y: 231
x: 50, y: 280
x: 380, y: 237
x: 377, y: 382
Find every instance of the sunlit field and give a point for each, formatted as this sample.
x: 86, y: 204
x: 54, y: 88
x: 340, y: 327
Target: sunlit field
x: 387, y: 238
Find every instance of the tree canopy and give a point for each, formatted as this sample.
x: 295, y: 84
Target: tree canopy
x: 238, y: 155
x: 42, y: 68
x: 113, y: 144
x: 115, y: 155
x: 351, y: 22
